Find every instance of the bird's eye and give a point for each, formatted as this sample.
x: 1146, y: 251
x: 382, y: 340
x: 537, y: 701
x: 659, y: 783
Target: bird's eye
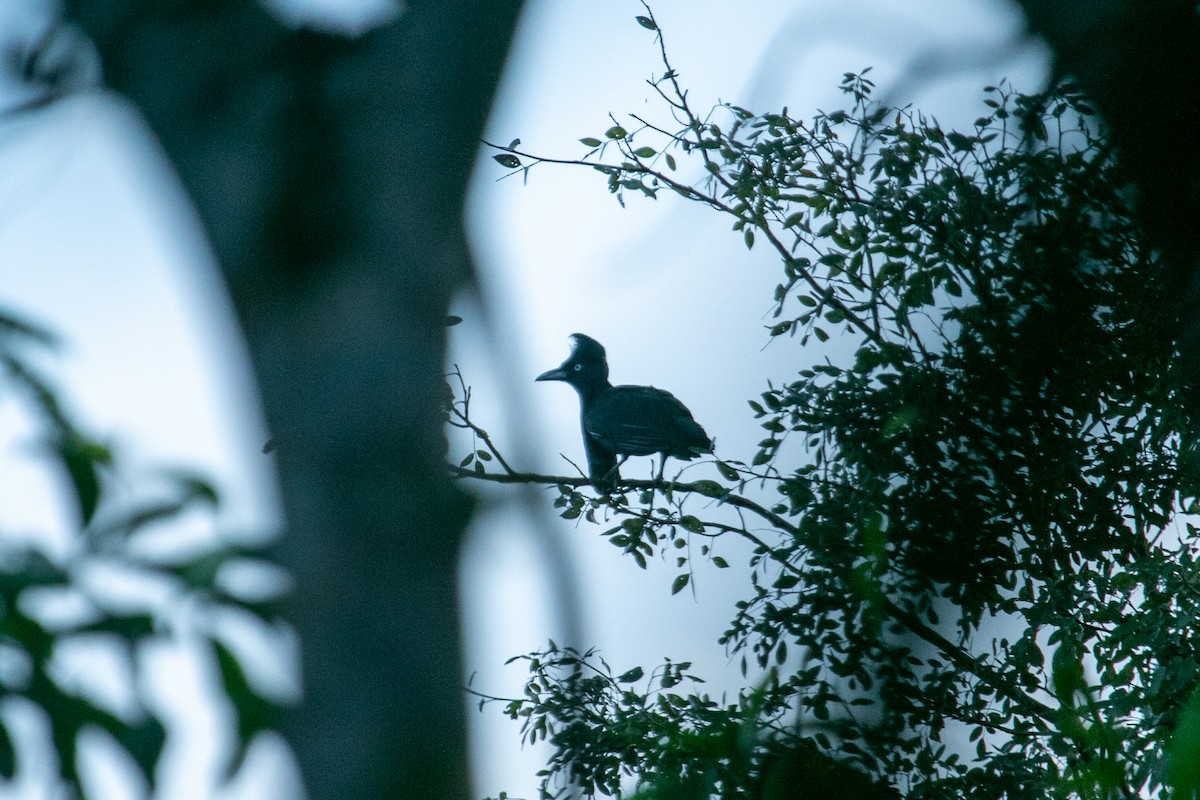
x: 578, y: 367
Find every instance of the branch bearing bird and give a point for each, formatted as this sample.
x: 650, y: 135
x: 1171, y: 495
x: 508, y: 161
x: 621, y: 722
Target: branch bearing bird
x: 623, y: 421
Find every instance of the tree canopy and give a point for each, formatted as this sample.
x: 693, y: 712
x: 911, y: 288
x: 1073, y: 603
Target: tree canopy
x: 973, y: 554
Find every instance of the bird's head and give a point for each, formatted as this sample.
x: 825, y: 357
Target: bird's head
x: 586, y: 366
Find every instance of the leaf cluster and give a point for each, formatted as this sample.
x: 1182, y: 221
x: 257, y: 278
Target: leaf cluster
x: 607, y: 728
x: 973, y: 570
x: 191, y: 590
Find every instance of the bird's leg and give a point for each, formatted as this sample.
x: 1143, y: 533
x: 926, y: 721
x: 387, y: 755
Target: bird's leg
x: 615, y: 472
x: 662, y: 465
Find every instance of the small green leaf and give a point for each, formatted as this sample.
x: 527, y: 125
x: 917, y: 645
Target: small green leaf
x: 1066, y: 674
x: 20, y: 328
x: 631, y: 676
x: 82, y: 460
x: 1184, y: 753
x: 132, y: 628
x: 591, y: 141
x: 709, y: 488
x: 507, y: 160
x: 616, y: 132
x: 253, y: 712
x: 670, y: 162
x: 193, y: 486
x: 8, y: 754
x: 690, y: 523
x: 644, y: 152
x: 647, y: 23
x: 900, y: 421
x: 959, y: 142
x: 634, y: 525
x: 680, y: 582
x: 787, y: 580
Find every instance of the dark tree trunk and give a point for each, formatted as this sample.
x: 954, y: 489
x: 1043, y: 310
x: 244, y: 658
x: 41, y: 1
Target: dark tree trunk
x: 330, y: 175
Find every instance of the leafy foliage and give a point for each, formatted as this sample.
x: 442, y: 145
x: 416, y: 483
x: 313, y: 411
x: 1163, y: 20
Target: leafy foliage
x: 979, y: 580
x: 189, y: 589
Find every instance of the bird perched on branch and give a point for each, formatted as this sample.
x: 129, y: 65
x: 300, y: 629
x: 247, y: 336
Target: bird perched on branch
x: 623, y: 421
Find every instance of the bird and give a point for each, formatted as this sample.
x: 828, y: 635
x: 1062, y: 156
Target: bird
x: 623, y: 421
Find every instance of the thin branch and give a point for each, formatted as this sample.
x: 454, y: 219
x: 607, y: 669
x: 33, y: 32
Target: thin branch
x: 460, y: 417
x: 957, y: 655
x: 704, y: 489
x: 971, y: 665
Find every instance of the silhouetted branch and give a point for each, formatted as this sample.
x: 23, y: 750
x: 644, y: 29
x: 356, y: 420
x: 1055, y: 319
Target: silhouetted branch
x: 704, y: 488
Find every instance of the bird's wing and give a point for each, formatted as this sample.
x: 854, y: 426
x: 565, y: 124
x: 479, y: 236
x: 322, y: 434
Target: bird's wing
x: 641, y: 420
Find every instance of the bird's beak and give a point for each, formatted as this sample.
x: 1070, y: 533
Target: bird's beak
x: 556, y: 374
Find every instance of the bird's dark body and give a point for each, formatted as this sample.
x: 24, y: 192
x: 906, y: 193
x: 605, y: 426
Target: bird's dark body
x: 642, y: 421
x: 623, y: 421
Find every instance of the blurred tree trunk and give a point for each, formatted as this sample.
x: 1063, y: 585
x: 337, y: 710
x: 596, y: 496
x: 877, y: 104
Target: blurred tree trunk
x: 330, y: 174
x: 1140, y: 62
